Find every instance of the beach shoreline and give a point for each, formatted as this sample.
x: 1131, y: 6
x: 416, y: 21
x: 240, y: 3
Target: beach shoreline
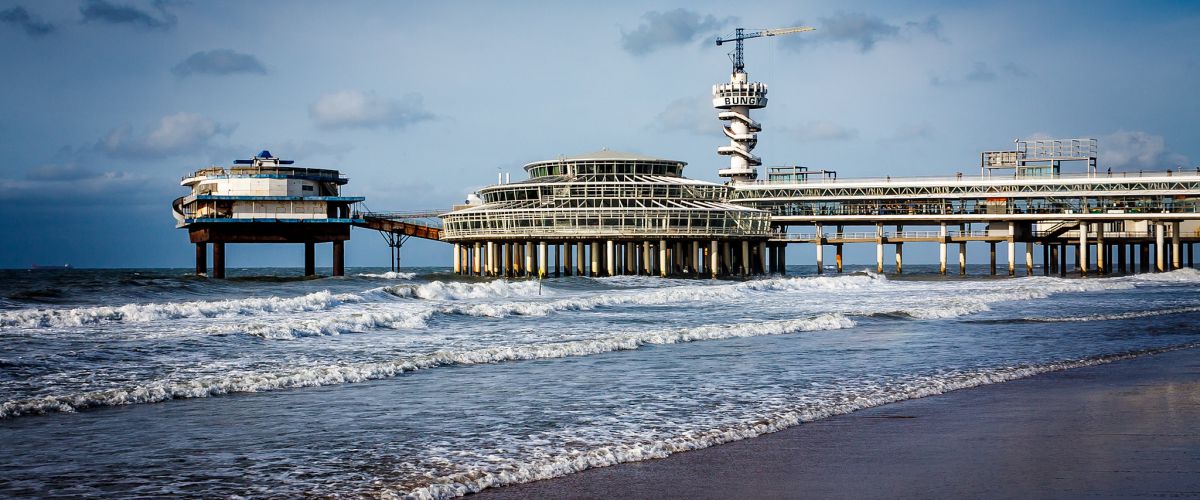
x: 1124, y: 428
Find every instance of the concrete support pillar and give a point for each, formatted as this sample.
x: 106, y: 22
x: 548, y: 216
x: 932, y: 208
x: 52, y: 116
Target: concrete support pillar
x: 1122, y: 261
x: 201, y: 259
x: 992, y: 258
x: 542, y: 259
x: 783, y: 259
x: 528, y: 251
x: 610, y: 255
x: 1051, y: 265
x: 218, y: 260
x: 630, y: 258
x: 558, y: 247
x: 962, y: 258
x: 457, y: 257
x: 647, y: 258
x: 820, y: 248
x: 1101, y: 250
x: 899, y: 258
x: 1176, y: 247
x: 1160, y: 254
x: 696, y: 257
x: 663, y: 258
x: 837, y: 257
x: 489, y: 262
x: 339, y: 258
x: 1012, y: 249
x: 310, y: 258
x: 714, y: 265
x: 745, y: 257
x: 942, y: 249
x: 594, y: 259
x: 475, y: 262
x: 1190, y: 254
x: 1028, y: 258
x: 1082, y: 254
x: 1144, y: 257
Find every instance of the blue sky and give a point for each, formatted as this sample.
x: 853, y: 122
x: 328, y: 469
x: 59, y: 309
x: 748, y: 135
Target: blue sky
x: 108, y: 103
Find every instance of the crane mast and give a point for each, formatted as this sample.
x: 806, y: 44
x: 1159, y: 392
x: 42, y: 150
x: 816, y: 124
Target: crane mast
x: 740, y: 35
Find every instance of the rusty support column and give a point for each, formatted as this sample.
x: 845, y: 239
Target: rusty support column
x: 339, y: 258
x: 201, y: 259
x: 218, y: 260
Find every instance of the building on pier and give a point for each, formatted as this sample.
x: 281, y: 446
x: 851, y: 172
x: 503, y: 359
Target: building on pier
x: 265, y: 200
x: 1151, y: 217
x: 604, y: 214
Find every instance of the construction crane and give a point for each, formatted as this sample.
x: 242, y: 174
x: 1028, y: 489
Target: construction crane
x: 740, y: 34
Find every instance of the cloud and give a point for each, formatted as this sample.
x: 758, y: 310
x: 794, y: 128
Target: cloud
x: 60, y: 172
x: 219, y: 62
x: 358, y: 109
x: 106, y: 12
x: 931, y: 26
x: 862, y: 30
x: 689, y: 114
x: 173, y: 134
x: 981, y: 72
x: 18, y: 16
x: 665, y: 29
x: 70, y: 185
x: 821, y: 131
x: 1133, y: 148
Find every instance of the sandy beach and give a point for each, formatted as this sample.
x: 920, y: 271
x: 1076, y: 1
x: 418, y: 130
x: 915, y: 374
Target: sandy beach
x: 1127, y: 428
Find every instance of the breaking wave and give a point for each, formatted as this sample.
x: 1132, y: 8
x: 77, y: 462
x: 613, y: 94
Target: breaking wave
x: 246, y: 381
x: 390, y: 275
x: 556, y: 466
x: 137, y: 313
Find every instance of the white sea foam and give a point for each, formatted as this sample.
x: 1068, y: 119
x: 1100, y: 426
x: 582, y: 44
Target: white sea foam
x: 438, y: 290
x: 571, y: 462
x: 249, y: 381
x: 137, y: 313
x: 390, y: 275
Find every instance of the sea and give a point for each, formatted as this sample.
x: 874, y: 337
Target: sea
x: 425, y: 384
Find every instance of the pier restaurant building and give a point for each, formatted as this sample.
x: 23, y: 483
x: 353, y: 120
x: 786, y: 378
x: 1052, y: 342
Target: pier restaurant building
x: 608, y: 213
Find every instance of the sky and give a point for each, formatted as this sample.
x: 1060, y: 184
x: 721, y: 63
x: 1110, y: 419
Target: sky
x: 108, y: 103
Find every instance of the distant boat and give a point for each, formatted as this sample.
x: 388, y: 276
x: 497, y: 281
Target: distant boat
x: 35, y: 267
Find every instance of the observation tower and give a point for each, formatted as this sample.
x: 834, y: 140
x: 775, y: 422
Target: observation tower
x: 735, y: 100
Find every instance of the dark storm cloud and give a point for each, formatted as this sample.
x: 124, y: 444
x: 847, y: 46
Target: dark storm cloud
x: 19, y: 17
x: 107, y: 12
x: 219, y: 62
x: 665, y: 29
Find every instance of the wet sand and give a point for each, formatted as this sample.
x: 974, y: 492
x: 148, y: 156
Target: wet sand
x: 1129, y: 428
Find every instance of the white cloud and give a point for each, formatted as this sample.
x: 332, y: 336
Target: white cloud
x: 1134, y: 148
x: 689, y: 114
x: 359, y: 109
x: 173, y: 134
x: 665, y: 29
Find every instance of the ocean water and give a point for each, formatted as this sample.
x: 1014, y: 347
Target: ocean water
x: 426, y: 384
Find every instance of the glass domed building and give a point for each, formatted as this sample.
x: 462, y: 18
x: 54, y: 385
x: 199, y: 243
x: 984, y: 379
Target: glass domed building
x: 608, y: 213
